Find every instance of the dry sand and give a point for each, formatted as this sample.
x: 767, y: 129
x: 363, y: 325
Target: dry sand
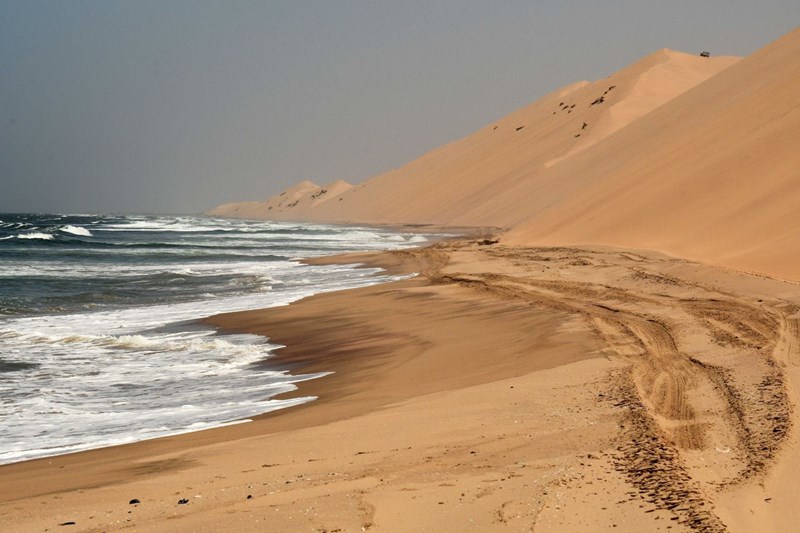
x: 505, y: 388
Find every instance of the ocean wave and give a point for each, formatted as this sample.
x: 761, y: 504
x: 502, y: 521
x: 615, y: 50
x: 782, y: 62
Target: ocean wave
x: 76, y: 230
x: 166, y: 226
x: 250, y: 280
x: 15, y: 366
x: 228, y: 354
x: 108, y: 316
x: 15, y: 225
x: 36, y: 235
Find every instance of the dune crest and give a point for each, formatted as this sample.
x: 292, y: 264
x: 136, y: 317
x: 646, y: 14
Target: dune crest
x: 650, y: 82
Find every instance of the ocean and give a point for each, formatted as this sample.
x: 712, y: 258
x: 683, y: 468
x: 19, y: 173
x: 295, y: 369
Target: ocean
x: 99, y: 340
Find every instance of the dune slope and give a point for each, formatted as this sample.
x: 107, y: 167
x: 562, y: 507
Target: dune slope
x: 686, y: 155
x: 712, y: 175
x: 461, y: 182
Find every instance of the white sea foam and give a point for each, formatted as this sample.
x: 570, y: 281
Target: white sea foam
x: 35, y: 235
x: 95, y: 271
x: 76, y: 230
x: 21, y: 450
x: 98, y: 368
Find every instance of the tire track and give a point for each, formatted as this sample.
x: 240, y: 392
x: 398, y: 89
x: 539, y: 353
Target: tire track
x: 787, y: 349
x: 642, y: 311
x: 654, y: 467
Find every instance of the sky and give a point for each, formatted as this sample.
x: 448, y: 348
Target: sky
x: 175, y: 106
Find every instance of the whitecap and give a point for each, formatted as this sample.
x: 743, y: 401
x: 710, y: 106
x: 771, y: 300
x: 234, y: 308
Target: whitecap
x: 76, y: 230
x: 35, y: 235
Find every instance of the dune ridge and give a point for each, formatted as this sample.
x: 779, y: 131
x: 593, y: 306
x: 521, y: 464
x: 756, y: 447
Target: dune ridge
x: 456, y: 183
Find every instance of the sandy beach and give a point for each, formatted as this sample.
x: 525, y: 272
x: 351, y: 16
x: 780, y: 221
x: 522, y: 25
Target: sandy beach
x: 505, y: 387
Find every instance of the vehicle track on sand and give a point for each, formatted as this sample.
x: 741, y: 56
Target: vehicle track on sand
x: 703, y: 363
x: 787, y: 350
x: 654, y: 467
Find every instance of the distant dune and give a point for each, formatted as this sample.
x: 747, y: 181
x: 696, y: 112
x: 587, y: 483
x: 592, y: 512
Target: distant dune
x: 679, y: 153
x: 303, y: 196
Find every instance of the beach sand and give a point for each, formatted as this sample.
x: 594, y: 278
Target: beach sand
x: 504, y: 387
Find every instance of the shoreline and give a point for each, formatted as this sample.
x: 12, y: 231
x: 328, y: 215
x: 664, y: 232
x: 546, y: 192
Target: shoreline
x: 368, y: 259
x: 396, y: 227
x: 496, y: 376
x: 343, y: 396
x: 182, y: 325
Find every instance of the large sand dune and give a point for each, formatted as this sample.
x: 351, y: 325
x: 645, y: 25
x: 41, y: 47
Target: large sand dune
x: 687, y: 155
x: 712, y: 175
x: 491, y: 177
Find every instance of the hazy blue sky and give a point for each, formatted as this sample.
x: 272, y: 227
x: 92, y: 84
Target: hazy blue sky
x: 176, y: 106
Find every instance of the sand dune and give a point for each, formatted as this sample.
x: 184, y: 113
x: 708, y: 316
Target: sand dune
x: 687, y: 155
x: 695, y: 158
x: 459, y: 183
x: 712, y: 175
x: 260, y: 209
x: 301, y: 197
